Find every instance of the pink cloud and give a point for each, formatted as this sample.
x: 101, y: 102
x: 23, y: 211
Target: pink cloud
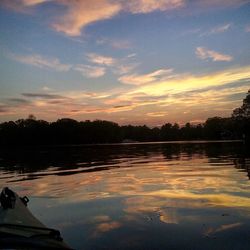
x: 79, y: 14
x: 204, y: 53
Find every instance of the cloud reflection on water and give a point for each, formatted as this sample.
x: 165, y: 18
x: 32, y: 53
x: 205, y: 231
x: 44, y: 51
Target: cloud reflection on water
x: 159, y: 186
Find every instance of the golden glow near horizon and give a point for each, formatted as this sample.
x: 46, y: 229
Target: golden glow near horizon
x: 163, y: 99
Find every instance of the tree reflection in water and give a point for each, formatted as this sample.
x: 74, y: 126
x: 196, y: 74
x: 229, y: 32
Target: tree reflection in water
x: 138, y: 196
x: 103, y: 157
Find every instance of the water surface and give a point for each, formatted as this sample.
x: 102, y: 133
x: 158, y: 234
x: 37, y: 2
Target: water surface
x: 138, y: 196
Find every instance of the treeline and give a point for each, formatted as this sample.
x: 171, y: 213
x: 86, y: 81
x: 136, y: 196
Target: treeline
x: 68, y: 131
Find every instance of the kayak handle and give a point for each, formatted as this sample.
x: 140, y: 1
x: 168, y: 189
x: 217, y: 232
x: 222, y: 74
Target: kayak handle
x: 25, y: 200
x: 52, y: 232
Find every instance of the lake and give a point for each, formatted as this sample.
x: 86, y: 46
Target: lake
x: 138, y: 196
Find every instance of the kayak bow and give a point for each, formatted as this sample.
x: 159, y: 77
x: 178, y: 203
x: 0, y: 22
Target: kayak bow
x: 19, y: 229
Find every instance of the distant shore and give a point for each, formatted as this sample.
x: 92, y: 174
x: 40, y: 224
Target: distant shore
x: 41, y: 146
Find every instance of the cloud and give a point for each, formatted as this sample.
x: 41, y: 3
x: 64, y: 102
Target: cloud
x: 124, y: 68
x: 14, y: 105
x: 46, y: 88
x: 76, y: 15
x: 18, y: 101
x: 34, y: 2
x: 136, y: 79
x: 162, y: 98
x: 99, y: 59
x: 41, y: 62
x: 215, y: 30
x: 105, y: 226
x: 131, y: 55
x: 22, y: 5
x: 221, y: 29
x: 43, y: 96
x: 204, y: 53
x: 147, y: 6
x: 90, y: 71
x: 188, y: 82
x: 125, y: 65
x: 211, y: 230
x: 218, y: 29
x: 204, y: 95
x: 79, y: 14
x: 157, y: 114
x: 3, y: 109
x: 117, y: 66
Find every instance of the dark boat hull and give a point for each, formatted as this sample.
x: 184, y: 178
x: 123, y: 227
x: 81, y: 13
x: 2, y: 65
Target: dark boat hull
x: 20, y: 229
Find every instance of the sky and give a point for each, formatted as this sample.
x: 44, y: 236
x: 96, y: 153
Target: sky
x: 128, y: 61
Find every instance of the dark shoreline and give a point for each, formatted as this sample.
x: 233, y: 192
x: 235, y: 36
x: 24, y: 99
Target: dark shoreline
x: 33, y: 147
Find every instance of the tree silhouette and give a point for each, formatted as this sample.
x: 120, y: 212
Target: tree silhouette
x: 241, y: 118
x: 67, y: 131
x: 244, y: 110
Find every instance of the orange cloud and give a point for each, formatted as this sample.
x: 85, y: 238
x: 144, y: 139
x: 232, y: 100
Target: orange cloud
x: 157, y: 114
x: 79, y: 14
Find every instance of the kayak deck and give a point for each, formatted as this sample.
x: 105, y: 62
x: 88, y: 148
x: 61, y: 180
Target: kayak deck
x: 19, y: 228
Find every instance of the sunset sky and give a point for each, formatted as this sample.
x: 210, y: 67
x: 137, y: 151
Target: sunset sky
x: 127, y: 61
